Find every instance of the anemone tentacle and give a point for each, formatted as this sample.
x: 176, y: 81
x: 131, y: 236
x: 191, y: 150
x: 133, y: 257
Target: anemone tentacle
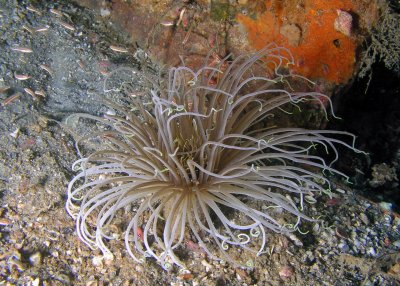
x: 198, y: 157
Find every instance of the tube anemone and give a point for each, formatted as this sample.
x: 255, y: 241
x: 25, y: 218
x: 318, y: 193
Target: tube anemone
x: 200, y: 162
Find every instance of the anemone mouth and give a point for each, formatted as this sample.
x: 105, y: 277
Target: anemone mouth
x: 186, y: 163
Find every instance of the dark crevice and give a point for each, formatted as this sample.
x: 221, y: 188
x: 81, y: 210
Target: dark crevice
x: 370, y: 109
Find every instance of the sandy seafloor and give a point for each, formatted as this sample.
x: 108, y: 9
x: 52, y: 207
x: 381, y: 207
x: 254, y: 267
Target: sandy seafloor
x: 357, y: 245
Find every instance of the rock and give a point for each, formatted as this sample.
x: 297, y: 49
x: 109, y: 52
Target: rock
x: 35, y: 259
x: 286, y: 272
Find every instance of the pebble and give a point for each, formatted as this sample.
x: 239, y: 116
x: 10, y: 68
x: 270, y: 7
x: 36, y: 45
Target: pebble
x: 371, y: 251
x: 4, y: 221
x: 104, y: 12
x: 207, y: 265
x: 364, y: 218
x: 97, y: 261
x: 35, y: 259
x: 308, y: 257
x: 286, y: 272
x: 35, y: 282
x: 388, y: 219
x: 295, y: 240
x: 15, y: 133
x: 139, y: 268
x: 385, y: 206
x: 55, y: 254
x: 344, y: 247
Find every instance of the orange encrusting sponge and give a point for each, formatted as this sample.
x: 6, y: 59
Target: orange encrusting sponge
x: 308, y: 30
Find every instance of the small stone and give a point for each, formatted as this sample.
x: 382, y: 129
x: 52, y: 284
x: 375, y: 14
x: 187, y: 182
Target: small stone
x: 344, y: 247
x: 15, y: 262
x: 397, y: 243
x: 364, y: 218
x: 286, y: 272
x: 35, y: 259
x: 97, y: 261
x: 309, y: 257
x: 139, y: 268
x: 385, y: 206
x: 395, y: 269
x: 35, y: 282
x: 207, y: 265
x: 396, y: 223
x: 4, y: 221
x: 55, y: 254
x: 15, y: 133
x: 371, y: 251
x: 104, y: 12
x: 388, y: 219
x: 295, y: 240
x: 108, y: 259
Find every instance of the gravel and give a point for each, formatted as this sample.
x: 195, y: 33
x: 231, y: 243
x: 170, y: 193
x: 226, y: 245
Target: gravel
x: 357, y: 243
